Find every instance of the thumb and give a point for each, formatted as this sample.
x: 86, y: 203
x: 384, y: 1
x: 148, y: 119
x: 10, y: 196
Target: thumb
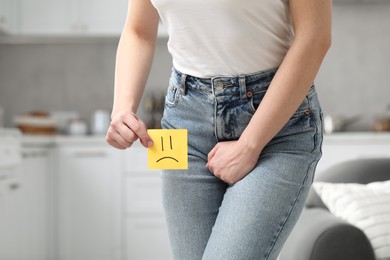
x: 212, y: 152
x: 140, y: 130
x: 211, y: 155
x: 146, y: 140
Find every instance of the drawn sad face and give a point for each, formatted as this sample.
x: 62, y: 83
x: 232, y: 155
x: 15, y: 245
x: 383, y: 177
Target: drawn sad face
x: 169, y: 150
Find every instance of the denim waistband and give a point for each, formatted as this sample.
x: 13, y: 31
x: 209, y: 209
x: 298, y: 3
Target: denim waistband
x: 259, y: 80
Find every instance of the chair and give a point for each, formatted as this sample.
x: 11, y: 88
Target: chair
x: 318, y: 234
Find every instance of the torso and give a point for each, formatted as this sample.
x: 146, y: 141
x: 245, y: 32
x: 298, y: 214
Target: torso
x: 226, y: 37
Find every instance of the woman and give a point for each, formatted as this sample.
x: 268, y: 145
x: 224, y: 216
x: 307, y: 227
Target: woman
x: 242, y: 84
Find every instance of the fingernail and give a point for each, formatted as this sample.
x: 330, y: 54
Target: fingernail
x: 150, y: 143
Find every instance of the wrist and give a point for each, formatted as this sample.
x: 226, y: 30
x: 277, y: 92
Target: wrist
x: 251, y: 144
x: 126, y: 110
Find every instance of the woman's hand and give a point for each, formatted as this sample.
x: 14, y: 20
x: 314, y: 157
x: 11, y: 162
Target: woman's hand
x: 132, y: 66
x: 232, y: 160
x: 125, y: 129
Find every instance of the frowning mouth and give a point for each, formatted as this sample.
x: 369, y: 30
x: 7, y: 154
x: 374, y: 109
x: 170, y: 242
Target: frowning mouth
x: 166, y: 157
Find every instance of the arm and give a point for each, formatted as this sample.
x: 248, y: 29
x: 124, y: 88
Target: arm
x: 133, y: 62
x: 312, y: 25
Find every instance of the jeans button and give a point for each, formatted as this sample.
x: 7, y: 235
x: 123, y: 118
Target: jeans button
x: 219, y: 85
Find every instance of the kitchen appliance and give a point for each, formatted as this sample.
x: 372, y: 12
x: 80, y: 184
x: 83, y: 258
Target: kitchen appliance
x: 78, y: 127
x: 99, y: 122
x: 62, y: 119
x: 337, y: 123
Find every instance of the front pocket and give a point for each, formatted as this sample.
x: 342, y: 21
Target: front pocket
x: 300, y: 121
x: 255, y: 100
x: 171, y: 96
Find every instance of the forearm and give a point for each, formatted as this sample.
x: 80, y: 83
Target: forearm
x: 312, y: 21
x: 285, y: 93
x: 133, y: 63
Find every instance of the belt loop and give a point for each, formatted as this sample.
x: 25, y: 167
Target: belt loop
x: 183, y: 87
x: 242, y: 84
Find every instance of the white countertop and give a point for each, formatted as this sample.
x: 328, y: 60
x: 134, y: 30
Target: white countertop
x: 358, y: 138
x: 9, y: 132
x: 50, y: 141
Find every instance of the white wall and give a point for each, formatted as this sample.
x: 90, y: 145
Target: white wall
x: 355, y: 76
x: 76, y: 76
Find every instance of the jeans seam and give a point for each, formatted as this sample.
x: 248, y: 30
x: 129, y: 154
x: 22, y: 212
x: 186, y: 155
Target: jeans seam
x: 315, y: 138
x: 215, y: 118
x: 290, y: 210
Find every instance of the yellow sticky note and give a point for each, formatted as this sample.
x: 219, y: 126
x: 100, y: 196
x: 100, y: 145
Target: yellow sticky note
x: 170, y: 149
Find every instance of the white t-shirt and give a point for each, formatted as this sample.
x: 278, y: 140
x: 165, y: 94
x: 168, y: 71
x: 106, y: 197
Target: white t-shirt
x: 226, y: 37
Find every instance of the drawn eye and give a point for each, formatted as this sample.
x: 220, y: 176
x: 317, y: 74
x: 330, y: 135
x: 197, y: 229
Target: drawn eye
x: 162, y: 143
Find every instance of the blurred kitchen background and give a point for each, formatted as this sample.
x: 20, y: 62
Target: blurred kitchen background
x: 65, y: 194
x: 64, y: 72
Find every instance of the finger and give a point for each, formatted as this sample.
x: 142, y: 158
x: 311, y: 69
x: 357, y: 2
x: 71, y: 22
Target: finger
x: 210, y: 157
x: 117, y: 145
x: 115, y: 139
x: 126, y: 133
x: 119, y: 127
x: 139, y: 128
x: 212, y: 153
x: 114, y: 143
x: 210, y: 168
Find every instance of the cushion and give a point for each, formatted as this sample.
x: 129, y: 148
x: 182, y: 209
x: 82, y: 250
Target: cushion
x: 355, y: 171
x: 367, y: 206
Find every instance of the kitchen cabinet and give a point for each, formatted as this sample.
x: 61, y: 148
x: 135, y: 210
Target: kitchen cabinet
x: 25, y: 219
x: 89, y: 201
x: 11, y: 191
x: 45, y: 17
x: 144, y: 217
x: 342, y: 147
x: 73, y: 17
x: 10, y: 215
x: 37, y: 200
x: 9, y: 18
x: 100, y: 16
x: 102, y: 203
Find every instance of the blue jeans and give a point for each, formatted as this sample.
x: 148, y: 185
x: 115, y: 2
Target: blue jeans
x: 211, y: 220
